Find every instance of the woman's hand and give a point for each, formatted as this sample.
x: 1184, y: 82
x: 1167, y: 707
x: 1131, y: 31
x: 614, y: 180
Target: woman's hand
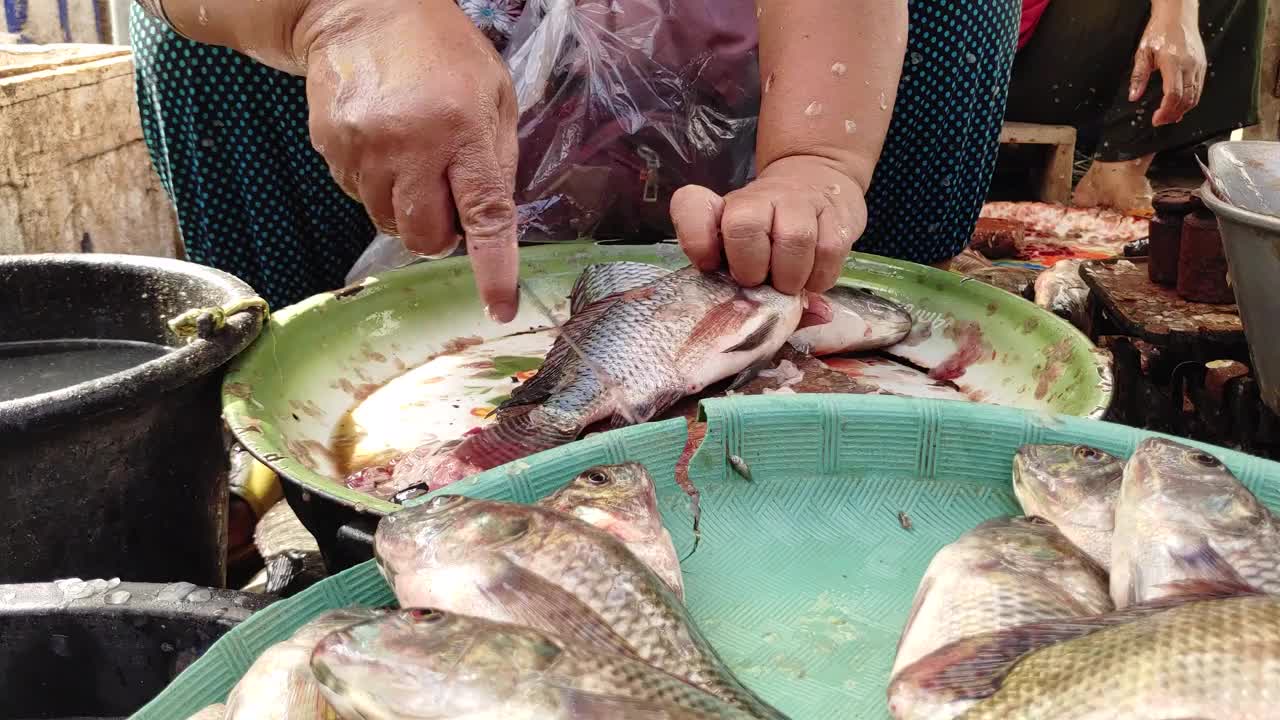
x: 794, y: 224
x: 1171, y: 44
x: 414, y: 111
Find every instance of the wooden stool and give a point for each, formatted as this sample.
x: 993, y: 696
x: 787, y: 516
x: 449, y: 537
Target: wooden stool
x: 1055, y: 184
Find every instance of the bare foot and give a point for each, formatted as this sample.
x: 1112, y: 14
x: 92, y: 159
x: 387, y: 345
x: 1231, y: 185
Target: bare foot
x: 1118, y: 185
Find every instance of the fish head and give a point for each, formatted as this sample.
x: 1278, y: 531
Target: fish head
x: 605, y: 494
x: 1171, y: 485
x: 1068, y: 483
x: 854, y: 320
x: 428, y: 663
x: 445, y: 529
x: 885, y: 321
x: 1030, y: 546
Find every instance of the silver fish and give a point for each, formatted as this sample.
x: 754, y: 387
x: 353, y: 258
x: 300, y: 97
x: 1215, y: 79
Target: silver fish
x: 656, y: 344
x: 426, y: 664
x: 541, y: 568
x: 280, y: 685
x: 1062, y: 291
x: 1075, y: 487
x: 1003, y: 573
x: 600, y: 280
x: 859, y: 321
x: 1182, y: 515
x: 623, y: 501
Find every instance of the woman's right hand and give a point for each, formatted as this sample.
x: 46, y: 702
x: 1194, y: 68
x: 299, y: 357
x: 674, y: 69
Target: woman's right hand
x: 414, y: 111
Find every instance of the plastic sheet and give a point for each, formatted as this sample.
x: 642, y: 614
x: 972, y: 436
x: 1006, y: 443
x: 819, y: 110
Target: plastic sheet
x: 623, y: 102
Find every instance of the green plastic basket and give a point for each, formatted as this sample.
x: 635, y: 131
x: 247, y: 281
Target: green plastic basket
x: 805, y: 574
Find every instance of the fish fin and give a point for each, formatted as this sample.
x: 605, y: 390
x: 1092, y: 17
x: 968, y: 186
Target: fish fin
x: 973, y: 668
x: 1201, y: 561
x: 757, y: 337
x: 600, y: 280
x: 723, y: 319
x: 559, y: 359
x: 519, y: 432
x: 1203, y: 589
x: 922, y: 593
x: 594, y: 706
x: 645, y: 410
x: 281, y: 570
x: 749, y: 373
x: 538, y: 603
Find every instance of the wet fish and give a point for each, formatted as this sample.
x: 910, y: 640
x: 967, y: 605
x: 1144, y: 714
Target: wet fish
x: 1005, y: 572
x: 423, y: 664
x: 280, y: 685
x: 1208, y: 659
x: 1183, y: 515
x: 212, y: 712
x: 533, y: 566
x: 859, y: 321
x: 951, y: 680
x: 1062, y: 291
x: 600, y: 280
x: 623, y: 501
x: 656, y: 344
x: 290, y: 553
x: 1075, y: 487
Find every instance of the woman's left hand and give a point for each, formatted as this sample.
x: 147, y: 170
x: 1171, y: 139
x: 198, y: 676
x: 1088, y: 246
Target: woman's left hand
x: 794, y: 225
x: 1172, y: 45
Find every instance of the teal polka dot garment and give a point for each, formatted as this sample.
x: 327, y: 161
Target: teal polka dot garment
x: 229, y: 140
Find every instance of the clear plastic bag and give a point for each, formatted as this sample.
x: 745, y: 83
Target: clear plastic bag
x: 624, y: 101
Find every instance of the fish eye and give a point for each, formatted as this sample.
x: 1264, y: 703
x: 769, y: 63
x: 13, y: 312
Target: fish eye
x: 597, y: 478
x: 1205, y: 460
x: 440, y: 502
x: 1084, y: 452
x: 425, y: 615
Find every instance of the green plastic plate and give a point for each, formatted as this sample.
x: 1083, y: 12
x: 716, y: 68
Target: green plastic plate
x: 805, y: 574
x: 315, y: 360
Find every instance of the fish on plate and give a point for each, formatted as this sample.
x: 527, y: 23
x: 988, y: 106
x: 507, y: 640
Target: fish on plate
x: 1075, y: 487
x: 622, y: 500
x: 858, y: 321
x: 1182, y: 515
x: 1210, y: 659
x: 280, y: 685
x: 644, y: 350
x: 1003, y: 573
x: 537, y: 567
x: 427, y: 664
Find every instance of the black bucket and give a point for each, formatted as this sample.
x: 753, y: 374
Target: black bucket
x: 102, y: 649
x: 126, y: 474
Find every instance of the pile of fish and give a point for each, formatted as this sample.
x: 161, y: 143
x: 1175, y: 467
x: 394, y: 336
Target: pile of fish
x: 639, y: 339
x: 1138, y: 590
x: 568, y: 609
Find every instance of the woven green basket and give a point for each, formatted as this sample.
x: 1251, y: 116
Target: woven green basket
x: 805, y: 574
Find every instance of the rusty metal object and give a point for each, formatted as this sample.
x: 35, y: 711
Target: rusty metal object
x: 1171, y: 206
x: 1202, y: 261
x: 1220, y: 372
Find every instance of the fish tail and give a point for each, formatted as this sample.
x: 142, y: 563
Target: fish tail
x: 519, y: 433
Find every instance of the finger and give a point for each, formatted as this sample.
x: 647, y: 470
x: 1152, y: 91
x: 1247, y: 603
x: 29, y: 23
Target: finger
x: 745, y: 225
x: 1141, y: 74
x: 1192, y: 86
x: 425, y: 215
x: 482, y: 193
x: 375, y: 195
x: 1170, y: 105
x: 696, y: 213
x: 1199, y: 75
x: 793, y: 235
x: 839, y: 227
x: 347, y: 182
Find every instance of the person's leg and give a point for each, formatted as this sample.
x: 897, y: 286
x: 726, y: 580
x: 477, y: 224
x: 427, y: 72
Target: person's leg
x: 229, y: 139
x: 940, y: 152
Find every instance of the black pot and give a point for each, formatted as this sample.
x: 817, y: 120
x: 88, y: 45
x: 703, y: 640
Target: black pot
x: 124, y: 475
x: 102, y: 649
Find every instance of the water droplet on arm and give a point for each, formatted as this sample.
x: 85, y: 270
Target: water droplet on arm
x: 850, y: 127
x: 884, y: 104
x: 203, y: 18
x: 839, y: 69
x: 814, y: 109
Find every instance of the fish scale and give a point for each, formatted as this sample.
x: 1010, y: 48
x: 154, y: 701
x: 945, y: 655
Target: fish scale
x: 1210, y: 659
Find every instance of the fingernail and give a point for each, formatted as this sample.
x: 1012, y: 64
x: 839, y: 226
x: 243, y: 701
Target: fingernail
x: 446, y: 252
x: 503, y: 312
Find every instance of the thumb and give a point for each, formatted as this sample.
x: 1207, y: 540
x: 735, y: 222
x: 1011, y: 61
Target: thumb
x: 487, y: 210
x: 695, y: 213
x: 1142, y: 62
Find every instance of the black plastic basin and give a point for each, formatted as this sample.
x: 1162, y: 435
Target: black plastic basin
x: 124, y: 474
